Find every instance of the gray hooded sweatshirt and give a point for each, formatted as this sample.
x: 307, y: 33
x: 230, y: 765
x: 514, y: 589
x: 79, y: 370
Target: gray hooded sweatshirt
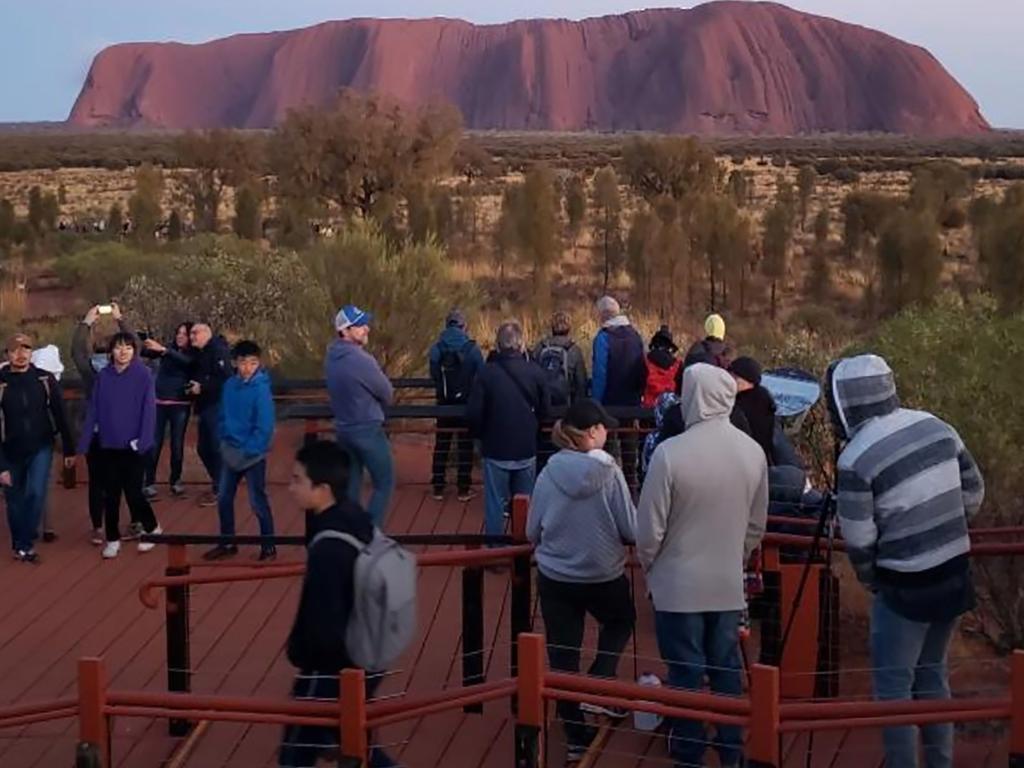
x: 704, y: 503
x: 581, y: 518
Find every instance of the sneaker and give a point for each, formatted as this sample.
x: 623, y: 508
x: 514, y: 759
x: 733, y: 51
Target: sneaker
x: 148, y: 546
x: 611, y: 712
x: 178, y: 489
x: 49, y: 536
x: 438, y: 494
x: 208, y: 499
x: 111, y: 550
x: 150, y: 492
x: 96, y: 537
x: 26, y: 556
x: 134, y: 531
x: 574, y: 753
x: 267, y: 553
x: 467, y: 495
x: 220, y: 552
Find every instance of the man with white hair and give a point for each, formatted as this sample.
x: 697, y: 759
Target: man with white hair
x: 508, y: 401
x: 211, y: 367
x: 620, y: 374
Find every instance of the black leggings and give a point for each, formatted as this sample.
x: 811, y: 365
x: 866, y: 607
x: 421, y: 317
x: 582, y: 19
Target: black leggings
x: 123, y: 472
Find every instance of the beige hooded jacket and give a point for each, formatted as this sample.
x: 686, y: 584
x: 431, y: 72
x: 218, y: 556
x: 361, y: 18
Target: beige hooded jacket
x: 704, y: 504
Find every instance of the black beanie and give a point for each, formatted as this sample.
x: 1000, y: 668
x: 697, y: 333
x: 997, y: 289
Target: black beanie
x: 748, y: 369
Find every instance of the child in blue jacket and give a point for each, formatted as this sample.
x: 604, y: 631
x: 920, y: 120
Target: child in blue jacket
x: 246, y: 429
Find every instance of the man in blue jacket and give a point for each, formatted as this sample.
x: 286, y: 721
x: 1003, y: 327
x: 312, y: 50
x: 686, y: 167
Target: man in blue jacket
x: 246, y: 428
x: 455, y: 361
x: 620, y: 374
x: 359, y: 393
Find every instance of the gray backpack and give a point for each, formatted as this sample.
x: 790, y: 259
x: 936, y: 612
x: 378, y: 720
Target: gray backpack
x: 383, y: 620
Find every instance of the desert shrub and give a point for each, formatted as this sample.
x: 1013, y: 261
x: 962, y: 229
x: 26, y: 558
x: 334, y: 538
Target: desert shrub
x: 100, y: 272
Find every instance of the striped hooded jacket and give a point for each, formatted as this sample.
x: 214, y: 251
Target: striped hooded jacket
x: 907, y: 484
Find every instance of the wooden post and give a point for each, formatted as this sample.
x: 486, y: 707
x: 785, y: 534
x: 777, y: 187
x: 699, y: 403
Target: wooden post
x: 93, y: 730
x: 763, y: 741
x: 522, y: 583
x: 1017, y: 710
x: 520, y: 511
x: 177, y: 630
x: 530, y: 694
x: 352, y: 701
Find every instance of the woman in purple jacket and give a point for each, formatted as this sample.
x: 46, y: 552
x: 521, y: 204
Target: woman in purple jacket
x: 121, y: 415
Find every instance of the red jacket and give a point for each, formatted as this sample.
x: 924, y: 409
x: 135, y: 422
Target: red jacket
x: 659, y: 378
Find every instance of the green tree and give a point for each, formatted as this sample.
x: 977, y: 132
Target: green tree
x: 50, y: 212
x: 62, y: 194
x: 819, y: 276
x: 538, y: 228
x: 608, y: 222
x: 506, y: 233
x: 864, y: 215
x: 144, y: 207
x: 214, y: 160
x: 35, y: 209
x: 174, y: 226
x: 115, y: 222
x: 740, y: 187
x: 806, y: 181
x: 7, y: 221
x: 776, y: 239
x: 909, y: 259
x: 248, y: 223
x: 673, y: 166
x: 639, y: 251
x: 1001, y: 250
x: 575, y: 207
x: 474, y: 162
x: 938, y: 184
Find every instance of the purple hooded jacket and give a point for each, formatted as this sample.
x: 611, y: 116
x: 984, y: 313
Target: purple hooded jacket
x: 122, y: 408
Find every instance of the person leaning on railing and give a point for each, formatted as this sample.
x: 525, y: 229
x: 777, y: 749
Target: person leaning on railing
x: 907, y: 486
x: 581, y: 519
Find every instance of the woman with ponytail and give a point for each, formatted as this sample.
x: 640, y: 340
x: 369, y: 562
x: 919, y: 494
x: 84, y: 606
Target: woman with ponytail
x: 581, y: 520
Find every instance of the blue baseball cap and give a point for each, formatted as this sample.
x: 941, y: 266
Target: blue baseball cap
x: 351, y: 316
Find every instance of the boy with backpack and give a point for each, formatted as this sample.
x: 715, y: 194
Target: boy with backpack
x: 454, y: 362
x: 564, y: 366
x: 341, y: 622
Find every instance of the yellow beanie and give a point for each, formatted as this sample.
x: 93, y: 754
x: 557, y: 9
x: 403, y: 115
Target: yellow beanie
x: 714, y: 327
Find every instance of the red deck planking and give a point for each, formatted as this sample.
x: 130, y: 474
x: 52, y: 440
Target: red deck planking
x: 74, y: 605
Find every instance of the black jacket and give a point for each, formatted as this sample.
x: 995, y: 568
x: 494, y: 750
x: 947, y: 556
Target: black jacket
x: 31, y: 413
x: 317, y: 639
x: 174, y: 372
x: 759, y: 408
x: 211, y: 367
x: 509, y: 400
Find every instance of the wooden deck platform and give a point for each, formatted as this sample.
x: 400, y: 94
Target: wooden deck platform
x: 74, y: 604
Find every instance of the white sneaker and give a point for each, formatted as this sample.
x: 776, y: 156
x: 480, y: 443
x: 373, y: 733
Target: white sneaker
x: 147, y: 546
x: 111, y: 550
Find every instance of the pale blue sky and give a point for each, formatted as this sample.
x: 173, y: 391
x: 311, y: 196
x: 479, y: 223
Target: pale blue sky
x: 46, y: 45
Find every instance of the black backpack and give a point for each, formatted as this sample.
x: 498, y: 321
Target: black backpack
x: 453, y: 384
x: 554, y: 360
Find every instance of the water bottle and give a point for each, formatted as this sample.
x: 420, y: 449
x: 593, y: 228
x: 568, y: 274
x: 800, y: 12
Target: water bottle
x: 647, y: 721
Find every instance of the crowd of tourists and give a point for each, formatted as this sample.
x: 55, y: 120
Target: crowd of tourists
x: 692, y: 499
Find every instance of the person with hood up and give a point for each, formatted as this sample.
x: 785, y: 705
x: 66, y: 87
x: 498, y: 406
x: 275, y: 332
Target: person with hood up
x: 122, y: 418
x: 756, y: 403
x: 359, y: 392
x: 662, y: 367
x: 581, y: 520
x: 455, y: 361
x: 246, y: 429
x: 619, y: 374
x: 31, y: 413
x: 907, y: 487
x: 703, y: 510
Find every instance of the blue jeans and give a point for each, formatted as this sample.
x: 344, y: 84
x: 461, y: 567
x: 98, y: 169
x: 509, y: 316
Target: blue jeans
x: 500, y: 485
x: 909, y: 658
x: 694, y: 645
x: 175, y: 417
x: 369, y: 449
x: 256, y: 480
x: 208, y: 443
x: 26, y: 497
